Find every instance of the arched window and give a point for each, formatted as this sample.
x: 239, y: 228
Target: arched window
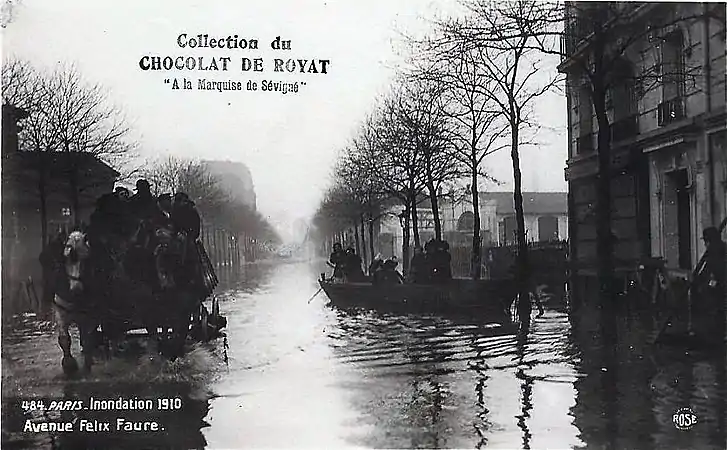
x: 466, y: 221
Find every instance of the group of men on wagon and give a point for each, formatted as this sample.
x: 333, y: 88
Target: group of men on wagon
x: 125, y: 231
x: 430, y: 265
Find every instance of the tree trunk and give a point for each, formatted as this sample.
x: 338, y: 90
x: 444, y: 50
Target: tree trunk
x: 363, y: 241
x: 405, y: 242
x: 75, y: 203
x: 523, y: 269
x: 43, y: 197
x: 356, y: 238
x: 435, y: 211
x: 604, y: 236
x: 476, y: 244
x: 415, y: 221
x: 371, y: 238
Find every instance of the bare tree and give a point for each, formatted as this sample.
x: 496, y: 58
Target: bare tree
x: 477, y: 129
x: 174, y: 174
x: 354, y: 176
x: 24, y: 88
x: 602, y: 48
x: 513, y: 69
x: 85, y: 124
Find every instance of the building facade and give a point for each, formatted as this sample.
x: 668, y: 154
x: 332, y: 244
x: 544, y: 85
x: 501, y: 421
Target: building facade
x: 666, y: 108
x: 546, y: 219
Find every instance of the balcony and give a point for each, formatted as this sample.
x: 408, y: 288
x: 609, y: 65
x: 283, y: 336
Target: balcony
x: 584, y: 144
x: 624, y: 128
x: 670, y: 111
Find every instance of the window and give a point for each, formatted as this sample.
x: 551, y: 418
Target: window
x: 623, y: 98
x: 672, y: 65
x: 547, y: 228
x: 585, y: 110
x: 466, y: 222
x: 584, y: 143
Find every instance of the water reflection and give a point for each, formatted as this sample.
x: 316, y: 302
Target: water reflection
x: 629, y: 391
x: 307, y: 375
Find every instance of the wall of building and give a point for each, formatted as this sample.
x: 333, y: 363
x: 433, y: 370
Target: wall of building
x: 644, y: 199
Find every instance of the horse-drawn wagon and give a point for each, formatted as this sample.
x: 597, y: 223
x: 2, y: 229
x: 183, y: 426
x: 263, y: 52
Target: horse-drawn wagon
x: 150, y: 276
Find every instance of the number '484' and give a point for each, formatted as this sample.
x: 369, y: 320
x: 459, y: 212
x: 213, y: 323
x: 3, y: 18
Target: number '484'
x: 32, y: 405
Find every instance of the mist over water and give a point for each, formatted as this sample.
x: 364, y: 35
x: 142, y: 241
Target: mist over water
x: 307, y: 375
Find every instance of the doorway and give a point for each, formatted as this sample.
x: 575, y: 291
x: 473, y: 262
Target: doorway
x: 679, y: 183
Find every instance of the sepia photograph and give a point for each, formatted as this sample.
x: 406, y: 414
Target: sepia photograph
x: 363, y: 224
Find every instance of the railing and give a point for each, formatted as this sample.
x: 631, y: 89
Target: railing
x: 671, y: 111
x: 584, y: 144
x: 624, y: 128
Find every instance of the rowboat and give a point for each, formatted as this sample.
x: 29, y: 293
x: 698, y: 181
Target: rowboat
x: 457, y: 296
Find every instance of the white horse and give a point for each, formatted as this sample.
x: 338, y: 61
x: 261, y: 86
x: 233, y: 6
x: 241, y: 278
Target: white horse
x: 72, y: 303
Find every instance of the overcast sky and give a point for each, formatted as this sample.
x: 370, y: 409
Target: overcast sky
x: 289, y: 142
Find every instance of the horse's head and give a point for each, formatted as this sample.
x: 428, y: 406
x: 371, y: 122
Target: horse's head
x: 75, y: 253
x: 168, y: 258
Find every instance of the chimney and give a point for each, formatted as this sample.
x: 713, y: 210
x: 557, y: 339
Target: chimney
x: 11, y: 116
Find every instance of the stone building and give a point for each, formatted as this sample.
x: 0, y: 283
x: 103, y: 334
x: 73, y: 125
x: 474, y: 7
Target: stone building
x: 25, y: 176
x: 546, y: 219
x: 666, y: 107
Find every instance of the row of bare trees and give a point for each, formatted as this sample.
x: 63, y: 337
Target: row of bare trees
x: 216, y: 205
x: 65, y: 114
x: 68, y: 115
x: 457, y: 103
x: 472, y: 86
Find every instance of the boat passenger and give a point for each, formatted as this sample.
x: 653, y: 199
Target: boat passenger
x: 419, y: 267
x: 446, y: 261
x: 388, y: 274
x: 440, y: 262
x: 352, y: 266
x: 375, y: 264
x: 337, y: 261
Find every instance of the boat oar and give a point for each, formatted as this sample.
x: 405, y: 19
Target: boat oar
x: 314, y: 295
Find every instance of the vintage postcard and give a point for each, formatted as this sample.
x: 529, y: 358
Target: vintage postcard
x: 376, y: 224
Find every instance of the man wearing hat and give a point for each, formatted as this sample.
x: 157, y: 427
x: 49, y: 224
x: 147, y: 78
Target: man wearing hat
x: 712, y: 285
x: 141, y: 203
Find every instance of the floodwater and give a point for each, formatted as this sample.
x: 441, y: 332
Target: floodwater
x: 298, y: 374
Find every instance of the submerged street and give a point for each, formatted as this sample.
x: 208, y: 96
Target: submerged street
x: 300, y: 374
